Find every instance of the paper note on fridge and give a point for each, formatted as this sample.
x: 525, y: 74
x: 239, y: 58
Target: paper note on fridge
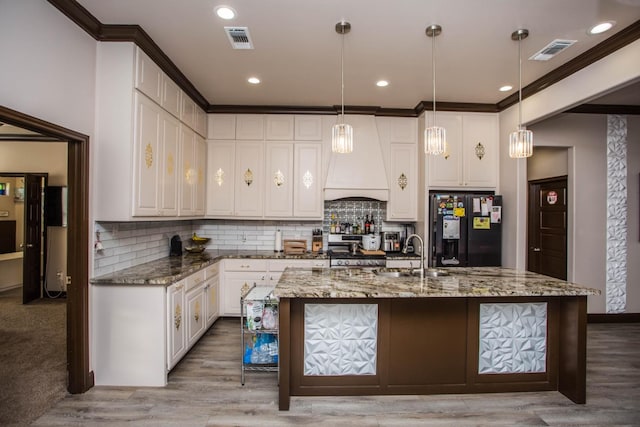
x: 476, y: 205
x: 496, y: 214
x: 481, y: 223
x: 484, y: 207
x: 451, y: 228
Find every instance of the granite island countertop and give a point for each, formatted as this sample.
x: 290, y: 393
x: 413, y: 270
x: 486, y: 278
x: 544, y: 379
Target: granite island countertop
x: 168, y: 270
x: 461, y: 282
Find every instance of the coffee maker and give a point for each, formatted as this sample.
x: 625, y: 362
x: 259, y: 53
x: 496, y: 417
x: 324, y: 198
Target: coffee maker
x: 391, y: 241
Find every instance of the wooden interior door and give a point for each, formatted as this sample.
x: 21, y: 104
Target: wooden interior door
x: 547, y: 229
x: 31, y: 268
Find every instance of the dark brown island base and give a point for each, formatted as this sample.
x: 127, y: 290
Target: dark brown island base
x: 475, y: 330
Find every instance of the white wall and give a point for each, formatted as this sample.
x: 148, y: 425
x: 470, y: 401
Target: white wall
x: 633, y: 211
x: 586, y: 134
x: 548, y: 162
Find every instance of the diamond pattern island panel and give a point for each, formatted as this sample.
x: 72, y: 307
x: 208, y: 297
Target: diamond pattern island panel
x: 513, y: 338
x: 340, y: 339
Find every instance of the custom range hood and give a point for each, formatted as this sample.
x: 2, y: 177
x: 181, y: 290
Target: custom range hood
x: 361, y: 173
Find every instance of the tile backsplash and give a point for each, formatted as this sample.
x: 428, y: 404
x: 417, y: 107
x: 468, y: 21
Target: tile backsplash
x: 127, y: 244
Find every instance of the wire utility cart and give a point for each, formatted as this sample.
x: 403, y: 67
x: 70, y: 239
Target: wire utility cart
x: 259, y: 325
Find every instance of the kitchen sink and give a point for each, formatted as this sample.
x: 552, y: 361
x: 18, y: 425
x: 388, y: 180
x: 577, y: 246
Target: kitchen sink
x: 407, y: 272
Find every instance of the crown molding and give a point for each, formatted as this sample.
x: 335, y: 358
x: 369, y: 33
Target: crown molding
x: 628, y: 110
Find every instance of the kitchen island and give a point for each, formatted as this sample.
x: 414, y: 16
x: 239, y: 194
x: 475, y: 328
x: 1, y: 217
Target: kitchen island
x: 487, y: 329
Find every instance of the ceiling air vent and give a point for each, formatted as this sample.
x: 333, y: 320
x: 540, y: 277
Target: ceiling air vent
x: 552, y: 49
x: 239, y: 37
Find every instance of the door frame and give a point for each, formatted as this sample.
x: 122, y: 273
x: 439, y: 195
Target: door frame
x: 80, y: 376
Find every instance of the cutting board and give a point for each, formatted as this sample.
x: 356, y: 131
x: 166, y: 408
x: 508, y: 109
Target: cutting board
x: 292, y: 246
x: 376, y: 252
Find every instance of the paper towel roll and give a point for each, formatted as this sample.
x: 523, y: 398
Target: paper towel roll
x: 278, y: 241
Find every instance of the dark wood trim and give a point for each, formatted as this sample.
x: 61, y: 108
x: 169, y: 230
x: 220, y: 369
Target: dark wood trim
x: 572, y: 377
x: 629, y: 110
x: 80, y: 376
x: 613, y: 318
x: 617, y: 41
x: 467, y: 107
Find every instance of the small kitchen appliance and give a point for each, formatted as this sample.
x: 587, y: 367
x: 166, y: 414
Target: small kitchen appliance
x: 371, y: 242
x: 391, y: 241
x: 175, y: 247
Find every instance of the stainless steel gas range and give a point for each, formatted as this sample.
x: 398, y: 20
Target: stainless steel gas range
x: 342, y: 254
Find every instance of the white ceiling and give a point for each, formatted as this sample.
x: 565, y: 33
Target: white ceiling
x: 297, y: 51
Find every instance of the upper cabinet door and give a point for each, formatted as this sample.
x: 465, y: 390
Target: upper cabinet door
x: 250, y: 126
x: 445, y: 170
x: 200, y: 161
x: 221, y: 126
x: 480, y: 145
x: 188, y: 171
x: 278, y: 179
x: 148, y: 77
x: 307, y: 197
x: 147, y: 156
x: 168, y: 173
x: 279, y: 127
x: 403, y: 186
x: 171, y: 96
x: 188, y: 112
x: 308, y: 128
x: 249, y: 180
x: 220, y: 178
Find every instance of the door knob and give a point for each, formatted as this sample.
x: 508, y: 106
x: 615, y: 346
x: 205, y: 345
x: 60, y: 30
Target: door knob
x: 536, y: 249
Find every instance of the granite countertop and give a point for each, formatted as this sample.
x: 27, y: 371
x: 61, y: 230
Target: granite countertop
x: 462, y: 282
x: 168, y: 270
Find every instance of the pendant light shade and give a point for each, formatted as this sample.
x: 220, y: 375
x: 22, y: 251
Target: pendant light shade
x: 520, y: 140
x: 435, y: 137
x: 342, y: 133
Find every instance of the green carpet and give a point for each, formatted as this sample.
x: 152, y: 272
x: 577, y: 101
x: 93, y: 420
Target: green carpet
x: 33, y: 372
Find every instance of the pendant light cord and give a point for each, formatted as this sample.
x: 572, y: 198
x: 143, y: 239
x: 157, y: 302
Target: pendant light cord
x: 519, y: 82
x: 433, y: 69
x: 342, y: 76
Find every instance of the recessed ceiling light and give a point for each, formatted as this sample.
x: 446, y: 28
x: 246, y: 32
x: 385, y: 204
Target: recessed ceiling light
x: 601, y: 27
x: 382, y: 83
x: 505, y: 88
x: 253, y: 80
x: 225, y: 12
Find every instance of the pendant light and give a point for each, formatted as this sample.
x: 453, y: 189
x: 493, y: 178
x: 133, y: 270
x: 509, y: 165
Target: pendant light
x: 520, y: 140
x: 342, y: 133
x: 435, y: 137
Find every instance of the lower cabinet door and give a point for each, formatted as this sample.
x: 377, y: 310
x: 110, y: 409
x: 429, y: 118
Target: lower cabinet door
x: 196, y: 320
x: 177, y: 342
x: 212, y: 297
x: 233, y: 284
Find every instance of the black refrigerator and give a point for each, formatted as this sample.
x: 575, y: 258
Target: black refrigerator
x: 466, y: 230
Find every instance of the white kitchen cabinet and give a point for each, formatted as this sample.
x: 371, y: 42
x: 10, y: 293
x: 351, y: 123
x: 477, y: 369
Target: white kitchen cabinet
x: 195, y: 304
x: 136, y: 134
x: 201, y: 122
x: 279, y: 127
x: 249, y: 179
x: 307, y: 184
x: 220, y: 178
x: 168, y: 167
x: 147, y: 156
x: 148, y: 76
x: 250, y: 126
x: 279, y: 179
x: 308, y: 128
x: 239, y: 273
x: 192, y: 172
x: 221, y: 126
x: 212, y: 293
x: 403, y: 182
x: 176, y: 327
x: 471, y: 160
x: 188, y: 112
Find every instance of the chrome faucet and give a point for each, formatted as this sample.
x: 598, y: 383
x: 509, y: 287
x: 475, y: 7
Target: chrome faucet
x: 422, y: 251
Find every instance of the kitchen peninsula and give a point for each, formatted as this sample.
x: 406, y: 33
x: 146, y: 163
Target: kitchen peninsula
x: 485, y: 329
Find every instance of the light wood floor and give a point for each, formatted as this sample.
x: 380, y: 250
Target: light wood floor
x: 204, y: 390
